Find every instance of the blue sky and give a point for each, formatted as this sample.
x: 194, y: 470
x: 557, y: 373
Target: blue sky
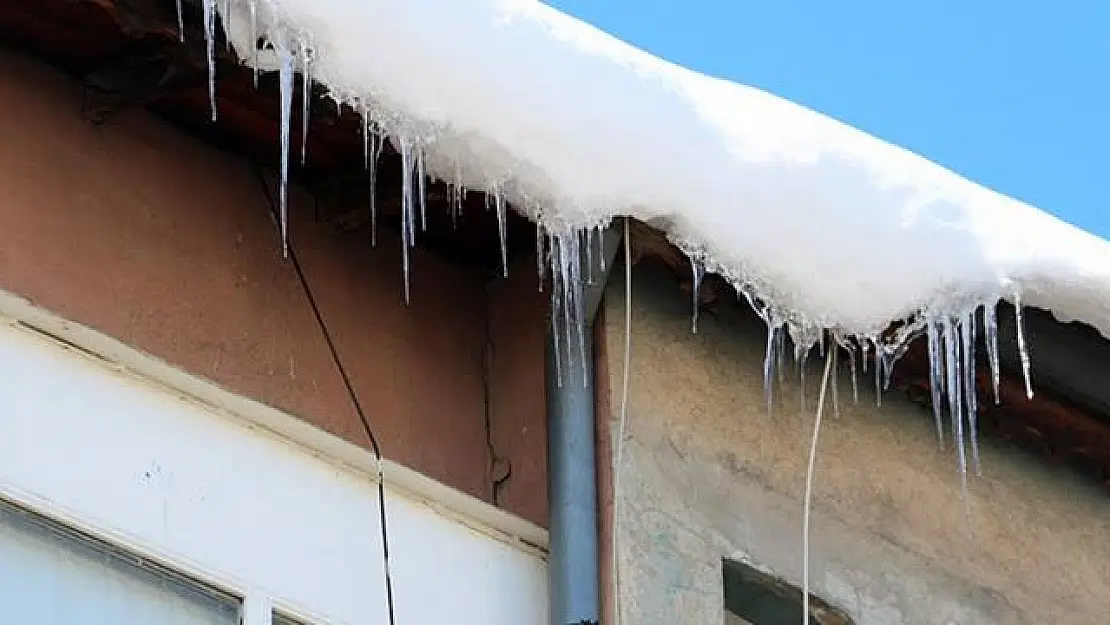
x: 1014, y: 94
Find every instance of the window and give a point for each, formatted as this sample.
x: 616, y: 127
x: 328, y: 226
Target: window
x: 281, y: 619
x: 753, y: 597
x: 50, y: 574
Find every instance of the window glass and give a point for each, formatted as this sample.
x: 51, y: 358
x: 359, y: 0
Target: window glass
x: 52, y: 575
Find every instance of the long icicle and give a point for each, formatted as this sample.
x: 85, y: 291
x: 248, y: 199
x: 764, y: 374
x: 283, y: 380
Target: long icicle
x: 225, y: 17
x: 854, y: 370
x: 879, y: 364
x: 971, y: 394
x: 180, y: 22
x: 253, y: 8
x: 539, y: 256
x: 835, y: 348
x: 286, y: 118
x: 404, y: 145
x: 809, y: 485
x: 623, y: 420
x: 697, y: 271
x: 1023, y: 350
x: 556, y: 305
x: 936, y: 376
x: 421, y: 187
x: 502, y: 232
x: 306, y: 97
x: 371, y: 149
x: 955, y: 402
x: 579, y: 306
x: 769, y: 364
x: 209, y: 8
x: 990, y: 331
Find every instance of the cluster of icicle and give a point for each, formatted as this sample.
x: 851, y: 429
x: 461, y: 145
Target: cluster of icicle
x: 566, y: 250
x: 568, y: 254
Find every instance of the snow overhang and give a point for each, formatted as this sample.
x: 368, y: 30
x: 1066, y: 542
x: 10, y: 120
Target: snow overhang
x: 827, y: 226
x: 823, y: 226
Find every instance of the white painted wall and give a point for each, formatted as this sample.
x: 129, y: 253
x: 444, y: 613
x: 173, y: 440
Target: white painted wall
x: 236, y: 505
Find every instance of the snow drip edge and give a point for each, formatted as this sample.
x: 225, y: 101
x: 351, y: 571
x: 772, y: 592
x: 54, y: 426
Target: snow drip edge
x: 567, y: 237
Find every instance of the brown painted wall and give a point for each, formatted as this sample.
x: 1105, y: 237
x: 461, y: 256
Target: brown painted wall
x: 518, y: 417
x: 150, y: 236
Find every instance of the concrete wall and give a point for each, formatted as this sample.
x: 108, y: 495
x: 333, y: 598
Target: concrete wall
x: 708, y: 474
x: 152, y: 237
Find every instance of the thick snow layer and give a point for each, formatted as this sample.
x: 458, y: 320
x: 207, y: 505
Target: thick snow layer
x: 832, y: 227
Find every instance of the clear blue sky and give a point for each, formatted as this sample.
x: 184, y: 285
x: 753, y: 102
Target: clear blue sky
x: 1014, y: 94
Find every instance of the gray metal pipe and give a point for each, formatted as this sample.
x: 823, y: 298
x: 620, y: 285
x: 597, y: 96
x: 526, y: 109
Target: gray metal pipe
x: 571, y: 459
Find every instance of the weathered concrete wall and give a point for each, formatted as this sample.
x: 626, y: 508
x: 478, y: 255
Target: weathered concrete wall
x: 167, y: 244
x: 707, y: 474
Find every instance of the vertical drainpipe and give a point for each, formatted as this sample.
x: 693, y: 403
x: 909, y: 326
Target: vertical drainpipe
x: 571, y: 460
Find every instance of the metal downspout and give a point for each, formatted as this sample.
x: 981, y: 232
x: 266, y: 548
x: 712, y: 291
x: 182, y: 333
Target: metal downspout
x: 571, y: 460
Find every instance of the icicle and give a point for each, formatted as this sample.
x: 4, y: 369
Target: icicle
x: 209, y: 7
x: 180, y: 22
x: 878, y: 372
x: 458, y: 192
x: 286, y: 76
x: 768, y: 363
x: 365, y: 139
x: 453, y: 193
x: 225, y: 16
x: 1023, y: 351
x: 835, y: 379
x: 566, y: 296
x: 955, y: 407
x: 306, y: 96
x: 575, y: 302
x: 408, y: 171
x: 855, y: 376
x: 422, y: 187
x: 372, y: 149
x: 502, y: 233
x: 990, y: 329
x: 572, y: 285
x: 967, y: 337
x: 802, y: 380
x: 539, y: 256
x: 253, y: 8
x: 588, y: 235
x: 556, y: 308
x: 580, y: 323
x: 601, y: 248
x: 697, y: 269
x: 780, y: 355
x: 936, y: 376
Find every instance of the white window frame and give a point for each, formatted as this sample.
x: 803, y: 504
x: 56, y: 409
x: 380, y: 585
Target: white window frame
x: 159, y: 414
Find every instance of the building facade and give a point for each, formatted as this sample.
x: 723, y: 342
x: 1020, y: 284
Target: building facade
x: 172, y: 406
x: 196, y: 429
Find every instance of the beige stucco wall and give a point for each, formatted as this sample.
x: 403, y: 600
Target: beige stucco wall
x: 706, y: 474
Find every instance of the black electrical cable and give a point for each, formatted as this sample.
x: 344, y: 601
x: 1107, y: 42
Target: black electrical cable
x: 350, y: 391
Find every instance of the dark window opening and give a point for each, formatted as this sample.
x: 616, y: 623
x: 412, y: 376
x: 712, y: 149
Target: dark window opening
x: 753, y: 597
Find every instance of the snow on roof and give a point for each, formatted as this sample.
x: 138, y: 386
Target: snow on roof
x: 831, y: 226
x: 821, y: 226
